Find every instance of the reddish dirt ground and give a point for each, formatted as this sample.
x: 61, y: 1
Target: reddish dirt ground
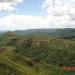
x: 69, y: 68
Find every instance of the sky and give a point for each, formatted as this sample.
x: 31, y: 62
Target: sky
x: 36, y: 14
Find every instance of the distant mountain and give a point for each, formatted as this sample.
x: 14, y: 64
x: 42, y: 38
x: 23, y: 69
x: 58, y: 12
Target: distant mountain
x: 35, y: 31
x: 61, y: 33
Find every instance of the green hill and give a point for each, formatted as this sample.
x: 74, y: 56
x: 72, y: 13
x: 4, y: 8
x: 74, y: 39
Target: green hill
x: 35, y: 55
x: 65, y: 33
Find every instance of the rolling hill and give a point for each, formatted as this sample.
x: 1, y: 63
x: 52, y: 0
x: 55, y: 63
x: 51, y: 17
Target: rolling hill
x: 34, y: 52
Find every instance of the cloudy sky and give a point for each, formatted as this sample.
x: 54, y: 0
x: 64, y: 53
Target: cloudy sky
x: 34, y: 14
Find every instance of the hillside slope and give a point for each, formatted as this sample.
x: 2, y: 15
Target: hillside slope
x: 35, y: 55
x: 12, y: 63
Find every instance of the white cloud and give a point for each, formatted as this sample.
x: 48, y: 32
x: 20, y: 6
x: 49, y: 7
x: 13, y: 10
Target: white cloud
x: 17, y: 22
x: 60, y: 13
x: 8, y: 5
